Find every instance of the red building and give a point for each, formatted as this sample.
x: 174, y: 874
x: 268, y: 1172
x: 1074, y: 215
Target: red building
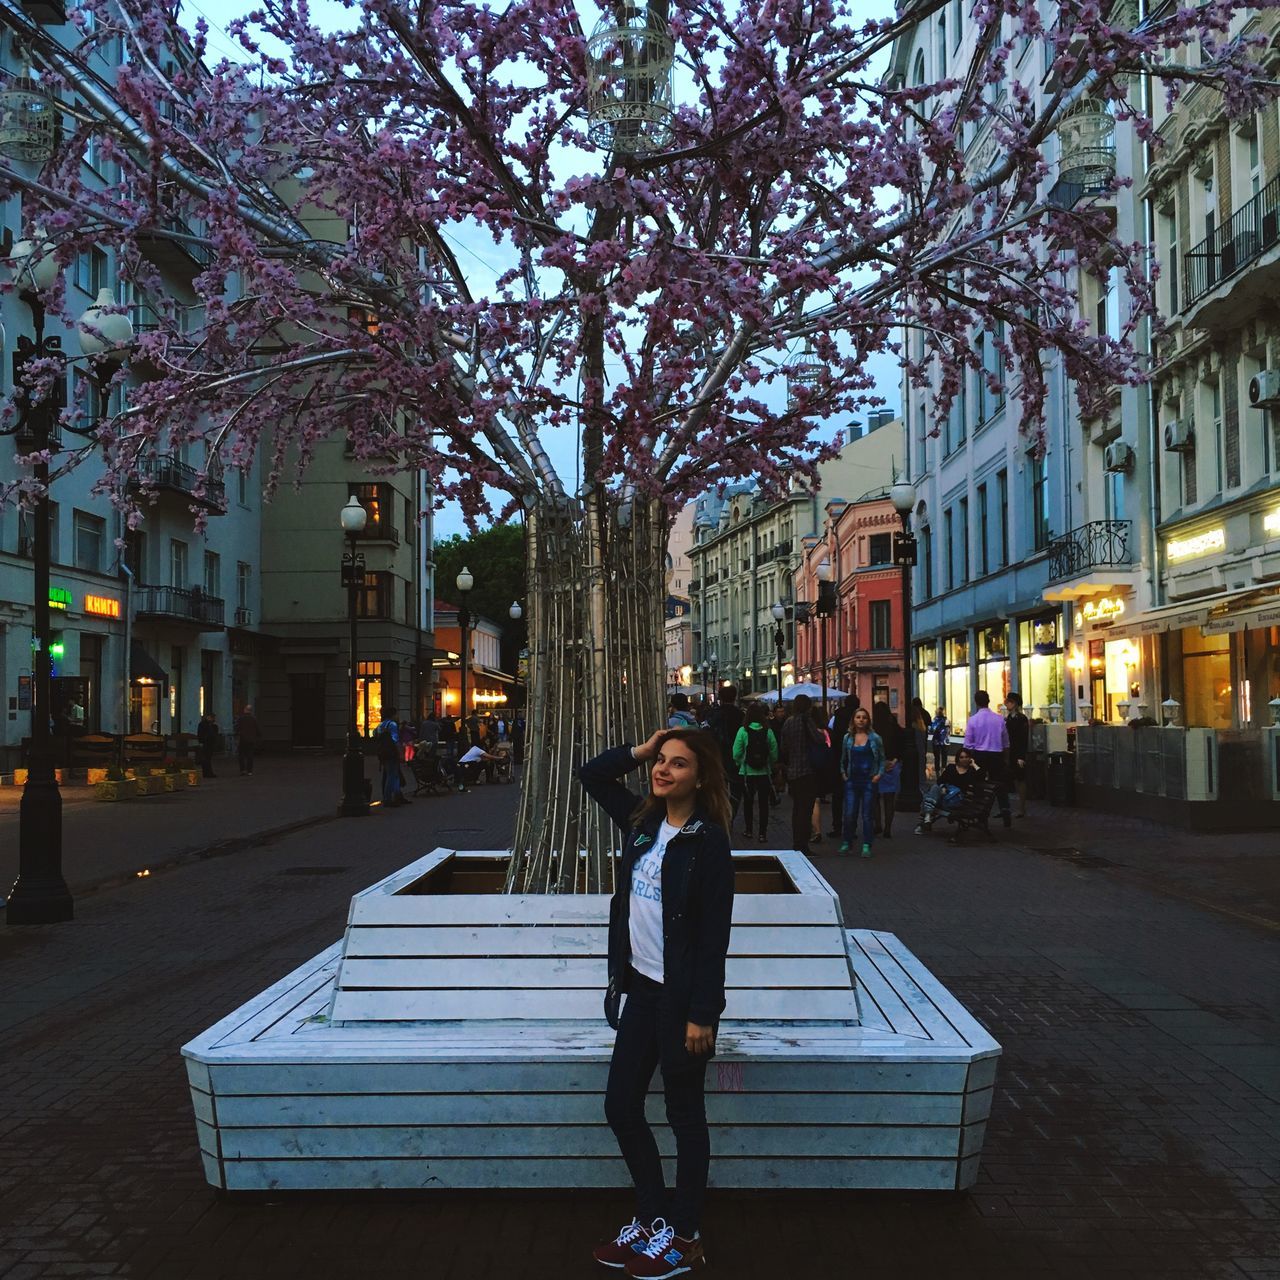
x: 864, y: 638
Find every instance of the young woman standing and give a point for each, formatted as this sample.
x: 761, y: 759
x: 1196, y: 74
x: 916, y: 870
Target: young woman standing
x: 669, y: 924
x: 861, y: 764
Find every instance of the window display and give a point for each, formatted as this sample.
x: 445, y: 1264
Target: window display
x: 1040, y: 644
x: 957, y: 695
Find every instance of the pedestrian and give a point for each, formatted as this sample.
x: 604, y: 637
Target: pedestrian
x: 861, y: 764
x: 207, y: 736
x: 892, y: 737
x: 755, y: 753
x: 838, y: 727
x: 668, y: 938
x: 517, y: 739
x: 803, y: 756
x: 408, y: 736
x: 679, y: 716
x: 386, y: 742
x: 467, y: 770
x: 248, y: 735
x: 429, y: 731
x: 959, y: 779
x: 726, y: 720
x: 987, y: 736
x: 940, y: 737
x: 918, y: 728
x: 448, y: 737
x: 1019, y: 728
x: 828, y: 775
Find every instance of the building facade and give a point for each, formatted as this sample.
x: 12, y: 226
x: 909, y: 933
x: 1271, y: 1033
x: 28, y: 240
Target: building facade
x: 489, y: 688
x: 746, y: 550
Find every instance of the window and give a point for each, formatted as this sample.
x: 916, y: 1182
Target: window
x: 881, y: 625
x: 178, y: 576
x: 242, y: 486
x: 941, y: 69
x: 926, y: 535
x: 376, y: 500
x: 90, y: 535
x: 368, y: 696
x: 1113, y: 495
x: 373, y: 600
x: 135, y: 553
x: 990, y: 373
x: 880, y: 548
x: 984, y: 557
x: 1002, y: 506
x: 212, y: 573
x: 1169, y: 236
x: 949, y: 548
x: 1215, y: 414
x: 964, y: 540
x: 244, y: 584
x: 89, y: 271
x: 1106, y: 314
x: 88, y: 399
x: 922, y: 434
x: 1040, y: 503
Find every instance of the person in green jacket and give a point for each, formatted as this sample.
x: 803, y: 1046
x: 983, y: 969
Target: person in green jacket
x: 755, y: 752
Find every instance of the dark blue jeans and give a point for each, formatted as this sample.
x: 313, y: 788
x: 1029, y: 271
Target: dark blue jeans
x: 859, y: 795
x: 636, y: 1053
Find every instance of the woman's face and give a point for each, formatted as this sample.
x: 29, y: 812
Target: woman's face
x: 862, y: 719
x: 964, y: 761
x: 675, y: 771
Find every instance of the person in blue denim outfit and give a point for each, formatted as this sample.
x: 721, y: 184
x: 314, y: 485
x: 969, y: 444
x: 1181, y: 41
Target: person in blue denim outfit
x: 861, y: 765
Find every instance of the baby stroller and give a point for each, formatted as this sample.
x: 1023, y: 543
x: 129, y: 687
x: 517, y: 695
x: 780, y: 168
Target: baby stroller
x: 428, y: 772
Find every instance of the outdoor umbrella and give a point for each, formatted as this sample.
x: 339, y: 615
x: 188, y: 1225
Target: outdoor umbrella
x: 814, y: 691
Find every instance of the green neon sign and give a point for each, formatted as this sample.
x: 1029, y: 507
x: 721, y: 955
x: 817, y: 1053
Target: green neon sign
x: 59, y: 598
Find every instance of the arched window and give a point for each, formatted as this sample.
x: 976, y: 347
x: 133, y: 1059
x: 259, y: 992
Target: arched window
x: 917, y: 76
x: 942, y: 47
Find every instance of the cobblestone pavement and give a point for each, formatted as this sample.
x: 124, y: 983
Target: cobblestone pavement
x: 1132, y: 975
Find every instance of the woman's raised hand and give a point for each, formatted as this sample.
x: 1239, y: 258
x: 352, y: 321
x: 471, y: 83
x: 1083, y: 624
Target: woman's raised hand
x: 649, y: 750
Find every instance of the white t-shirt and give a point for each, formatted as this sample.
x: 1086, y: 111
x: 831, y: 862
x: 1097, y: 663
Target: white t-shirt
x: 646, y: 905
x: 471, y: 756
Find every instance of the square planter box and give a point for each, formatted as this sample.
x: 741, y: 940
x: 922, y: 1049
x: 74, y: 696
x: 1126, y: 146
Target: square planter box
x: 118, y: 789
x: 455, y: 1038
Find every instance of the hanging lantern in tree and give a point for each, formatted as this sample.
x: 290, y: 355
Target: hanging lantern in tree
x: 27, y: 119
x: 630, y: 57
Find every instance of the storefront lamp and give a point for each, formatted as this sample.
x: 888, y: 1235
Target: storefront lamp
x: 33, y: 262
x: 515, y: 613
x: 353, y: 517
x: 102, y: 330
x: 1055, y: 712
x: 903, y: 496
x: 1123, y: 708
x: 1171, y: 710
x: 823, y: 571
x: 465, y: 580
x: 1084, y: 711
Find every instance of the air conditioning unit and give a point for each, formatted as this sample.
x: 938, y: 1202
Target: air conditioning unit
x: 1264, y: 389
x: 1118, y: 456
x: 1180, y: 435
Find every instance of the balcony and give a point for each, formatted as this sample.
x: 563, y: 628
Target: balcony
x: 165, y: 472
x: 695, y: 584
x: 1095, y: 557
x: 182, y: 605
x: 380, y: 531
x: 1241, y: 240
x: 181, y: 256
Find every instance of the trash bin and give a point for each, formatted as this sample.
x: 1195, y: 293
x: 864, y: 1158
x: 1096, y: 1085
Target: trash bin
x: 1061, y: 779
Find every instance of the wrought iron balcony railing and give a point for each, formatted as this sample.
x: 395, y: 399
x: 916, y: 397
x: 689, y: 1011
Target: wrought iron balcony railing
x: 1098, y: 544
x: 1091, y: 173
x: 181, y: 603
x: 164, y: 471
x: 1246, y: 235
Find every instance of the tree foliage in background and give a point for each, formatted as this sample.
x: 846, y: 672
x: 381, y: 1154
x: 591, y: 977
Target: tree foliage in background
x: 496, y: 558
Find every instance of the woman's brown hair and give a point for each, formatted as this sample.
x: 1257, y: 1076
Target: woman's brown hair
x: 713, y: 785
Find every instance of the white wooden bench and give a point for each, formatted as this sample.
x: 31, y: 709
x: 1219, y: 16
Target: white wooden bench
x: 457, y: 1040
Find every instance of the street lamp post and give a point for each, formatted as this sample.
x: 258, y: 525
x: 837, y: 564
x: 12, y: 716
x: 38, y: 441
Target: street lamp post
x: 40, y: 894
x: 825, y: 608
x: 779, y: 612
x: 515, y: 613
x: 903, y: 496
x: 355, y: 798
x: 464, y: 582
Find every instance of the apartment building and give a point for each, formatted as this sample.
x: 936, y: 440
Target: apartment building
x: 746, y: 548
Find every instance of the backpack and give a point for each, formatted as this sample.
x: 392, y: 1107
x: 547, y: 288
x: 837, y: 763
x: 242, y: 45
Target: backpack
x: 384, y: 745
x: 757, y: 754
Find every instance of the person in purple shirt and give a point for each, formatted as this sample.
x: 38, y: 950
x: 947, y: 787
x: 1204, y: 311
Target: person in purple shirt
x: 987, y: 736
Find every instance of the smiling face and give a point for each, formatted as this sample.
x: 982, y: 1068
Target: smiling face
x: 674, y: 776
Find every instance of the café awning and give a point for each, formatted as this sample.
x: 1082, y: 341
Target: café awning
x: 143, y: 668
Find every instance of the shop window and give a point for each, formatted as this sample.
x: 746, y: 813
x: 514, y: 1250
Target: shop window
x: 368, y: 697
x: 993, y: 661
x: 1262, y: 673
x: 1040, y: 644
x: 956, y: 693
x: 928, y: 683
x: 1207, y: 692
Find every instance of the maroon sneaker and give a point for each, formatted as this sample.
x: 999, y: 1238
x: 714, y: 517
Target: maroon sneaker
x: 666, y: 1254
x: 617, y: 1253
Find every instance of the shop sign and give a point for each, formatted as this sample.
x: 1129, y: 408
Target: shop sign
x: 24, y: 692
x: 59, y: 598
x: 1269, y: 617
x: 1197, y: 544
x: 102, y: 606
x: 1102, y: 612
x: 1223, y: 626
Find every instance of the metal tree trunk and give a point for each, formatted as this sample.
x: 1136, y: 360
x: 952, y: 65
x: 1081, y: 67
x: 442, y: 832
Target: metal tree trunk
x: 597, y: 590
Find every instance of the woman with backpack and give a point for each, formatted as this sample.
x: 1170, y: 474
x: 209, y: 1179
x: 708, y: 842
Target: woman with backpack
x: 755, y: 753
x: 669, y: 925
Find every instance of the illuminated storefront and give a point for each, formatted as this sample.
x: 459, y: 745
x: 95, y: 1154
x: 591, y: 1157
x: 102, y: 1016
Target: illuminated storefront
x: 956, y: 694
x: 993, y: 661
x: 1041, y: 662
x: 927, y: 682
